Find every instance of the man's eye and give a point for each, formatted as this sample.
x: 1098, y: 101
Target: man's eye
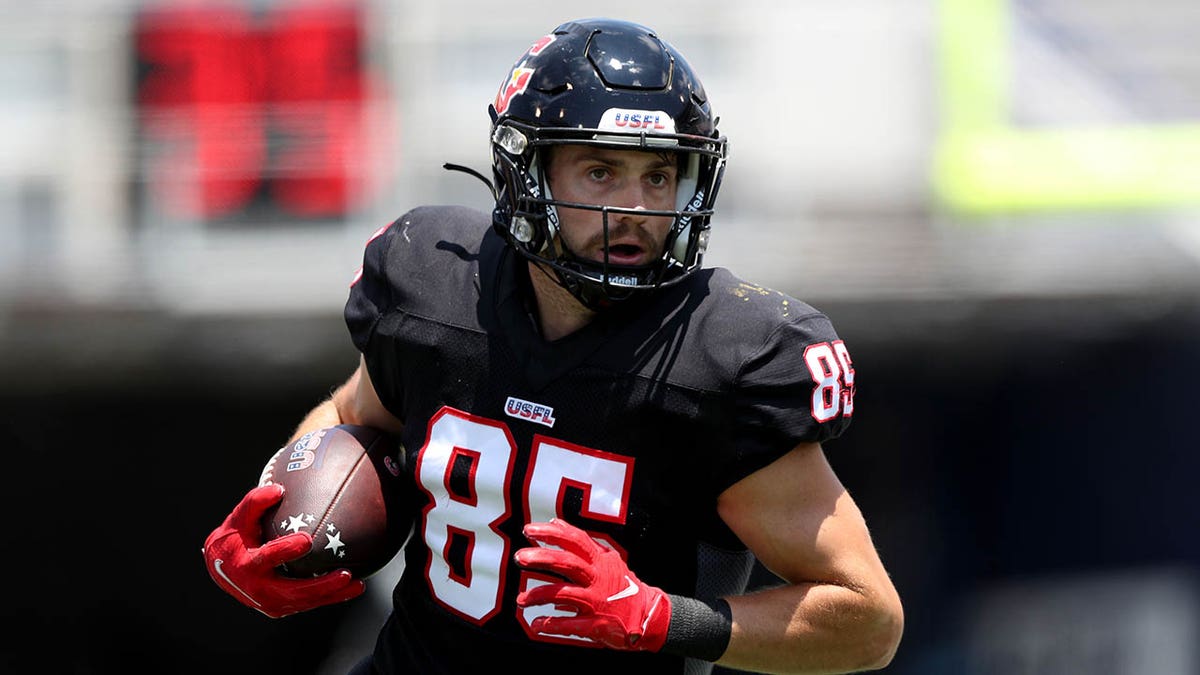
x: 598, y: 173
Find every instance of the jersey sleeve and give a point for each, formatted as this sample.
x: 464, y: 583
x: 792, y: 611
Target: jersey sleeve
x: 373, y: 299
x: 370, y: 292
x: 798, y: 387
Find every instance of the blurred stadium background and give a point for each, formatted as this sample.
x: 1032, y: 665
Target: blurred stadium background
x: 996, y: 201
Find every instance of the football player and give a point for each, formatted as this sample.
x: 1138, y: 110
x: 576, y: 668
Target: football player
x: 603, y: 433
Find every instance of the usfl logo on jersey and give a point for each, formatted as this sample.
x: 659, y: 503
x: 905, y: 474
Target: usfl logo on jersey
x: 527, y: 410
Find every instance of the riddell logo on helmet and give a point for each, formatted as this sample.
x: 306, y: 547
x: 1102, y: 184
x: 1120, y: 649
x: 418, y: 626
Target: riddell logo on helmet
x: 697, y: 202
x: 621, y: 119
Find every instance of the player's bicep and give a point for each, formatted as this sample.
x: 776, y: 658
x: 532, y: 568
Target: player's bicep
x: 800, y: 522
x: 358, y: 403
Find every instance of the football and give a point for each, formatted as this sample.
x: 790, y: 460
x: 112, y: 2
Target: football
x: 346, y: 486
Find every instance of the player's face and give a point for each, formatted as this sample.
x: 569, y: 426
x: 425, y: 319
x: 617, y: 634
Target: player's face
x: 633, y: 179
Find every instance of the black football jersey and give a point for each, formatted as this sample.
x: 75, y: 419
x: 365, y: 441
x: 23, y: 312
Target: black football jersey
x: 629, y: 428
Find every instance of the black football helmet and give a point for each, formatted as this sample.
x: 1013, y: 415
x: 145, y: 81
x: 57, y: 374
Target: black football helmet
x: 614, y: 84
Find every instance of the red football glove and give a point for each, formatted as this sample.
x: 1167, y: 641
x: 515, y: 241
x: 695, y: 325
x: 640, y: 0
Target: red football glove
x: 612, y: 606
x: 245, y: 568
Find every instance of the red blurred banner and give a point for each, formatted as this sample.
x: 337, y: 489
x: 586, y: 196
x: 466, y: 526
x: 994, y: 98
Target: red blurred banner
x: 239, y: 106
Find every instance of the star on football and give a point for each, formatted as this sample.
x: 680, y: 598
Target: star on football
x: 335, y: 544
x: 294, y: 523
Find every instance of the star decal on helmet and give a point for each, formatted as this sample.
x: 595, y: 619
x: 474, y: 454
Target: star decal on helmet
x: 541, y: 44
x: 518, y: 81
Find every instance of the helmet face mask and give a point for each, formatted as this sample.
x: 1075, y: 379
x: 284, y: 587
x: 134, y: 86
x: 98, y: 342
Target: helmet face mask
x: 609, y: 84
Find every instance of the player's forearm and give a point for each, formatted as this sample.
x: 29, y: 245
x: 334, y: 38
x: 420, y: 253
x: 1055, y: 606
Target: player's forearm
x: 812, y: 628
x: 323, y: 416
x: 353, y: 402
x: 332, y: 411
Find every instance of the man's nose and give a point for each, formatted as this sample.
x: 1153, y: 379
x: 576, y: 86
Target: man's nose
x: 632, y: 196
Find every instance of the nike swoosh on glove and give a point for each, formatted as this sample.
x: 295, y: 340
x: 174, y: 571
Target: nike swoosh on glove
x: 246, y: 568
x: 613, y: 607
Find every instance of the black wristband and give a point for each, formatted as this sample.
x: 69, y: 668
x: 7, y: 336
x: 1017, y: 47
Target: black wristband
x: 698, y: 628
